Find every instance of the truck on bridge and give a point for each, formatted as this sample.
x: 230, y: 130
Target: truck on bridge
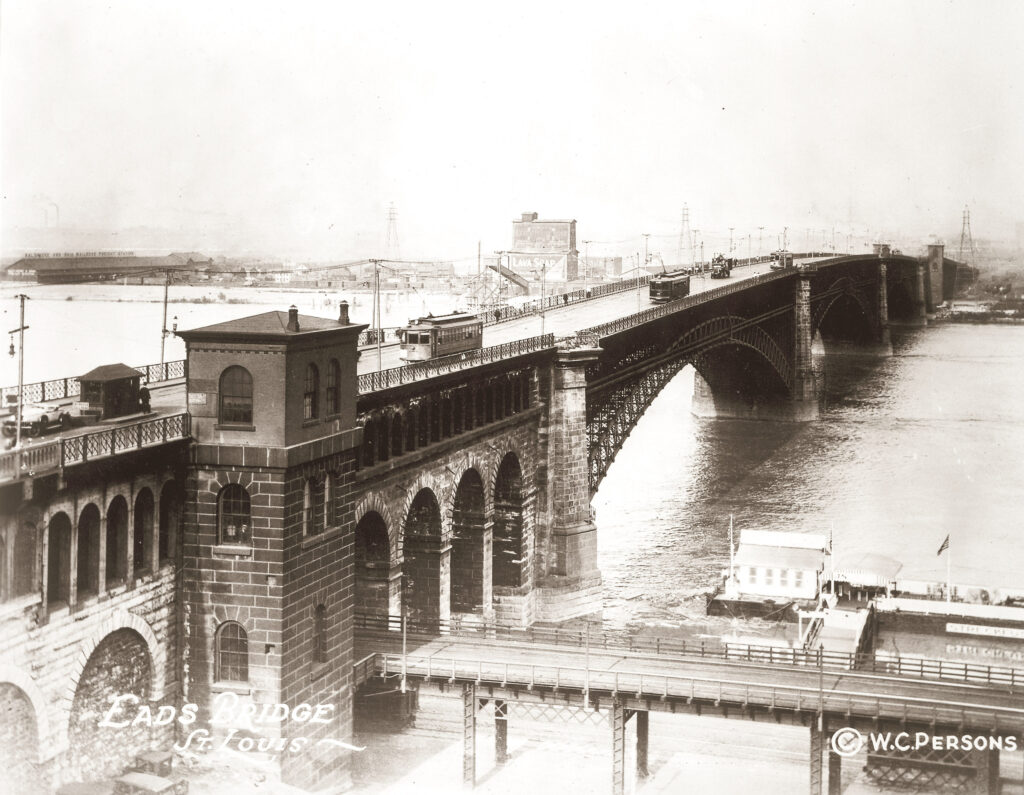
x: 721, y: 266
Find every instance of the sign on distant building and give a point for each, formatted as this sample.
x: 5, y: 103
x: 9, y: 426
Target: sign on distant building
x: 544, y: 248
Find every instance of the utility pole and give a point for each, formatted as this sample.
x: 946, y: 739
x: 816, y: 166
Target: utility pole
x: 375, y: 314
x: 645, y: 236
x: 163, y: 327
x: 730, y: 239
x: 586, y: 265
x: 696, y: 234
x: 784, y: 243
x: 638, y: 280
x: 21, y: 367
x: 479, y: 277
x: 760, y: 236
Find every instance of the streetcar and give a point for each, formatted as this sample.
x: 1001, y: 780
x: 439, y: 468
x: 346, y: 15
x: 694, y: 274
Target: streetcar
x: 781, y: 260
x: 429, y: 337
x: 667, y: 287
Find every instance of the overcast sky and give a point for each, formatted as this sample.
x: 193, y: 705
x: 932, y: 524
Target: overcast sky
x: 291, y: 127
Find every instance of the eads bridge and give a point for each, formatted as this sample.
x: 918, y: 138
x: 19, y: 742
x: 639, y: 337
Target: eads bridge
x: 226, y: 541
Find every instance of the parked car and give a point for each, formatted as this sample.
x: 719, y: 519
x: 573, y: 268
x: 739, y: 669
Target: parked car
x: 38, y: 419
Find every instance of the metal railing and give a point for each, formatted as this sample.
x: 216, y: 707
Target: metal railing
x: 384, y: 379
x: 807, y: 697
x: 502, y: 313
x: 640, y: 318
x: 705, y: 648
x: 40, y: 458
x: 58, y: 388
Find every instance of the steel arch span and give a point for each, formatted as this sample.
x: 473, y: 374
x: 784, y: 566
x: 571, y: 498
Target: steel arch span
x: 615, y: 406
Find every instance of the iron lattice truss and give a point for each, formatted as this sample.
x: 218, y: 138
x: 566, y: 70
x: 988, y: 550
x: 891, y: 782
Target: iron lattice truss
x: 559, y: 713
x: 925, y: 770
x: 616, y: 403
x: 860, y: 290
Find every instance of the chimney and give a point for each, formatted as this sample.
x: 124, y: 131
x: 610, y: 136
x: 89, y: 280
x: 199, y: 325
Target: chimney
x: 343, y: 312
x: 293, y: 318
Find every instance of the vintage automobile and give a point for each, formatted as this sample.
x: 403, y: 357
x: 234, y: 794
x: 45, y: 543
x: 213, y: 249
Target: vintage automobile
x: 38, y: 419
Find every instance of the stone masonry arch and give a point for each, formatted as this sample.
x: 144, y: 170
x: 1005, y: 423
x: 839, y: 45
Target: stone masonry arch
x: 12, y: 674
x: 372, y: 502
x: 119, y: 619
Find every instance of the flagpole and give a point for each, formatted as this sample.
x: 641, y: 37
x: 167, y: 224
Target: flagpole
x: 949, y: 573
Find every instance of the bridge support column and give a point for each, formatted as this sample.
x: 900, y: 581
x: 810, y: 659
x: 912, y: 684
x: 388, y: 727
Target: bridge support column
x: 570, y: 585
x: 986, y: 776
x: 919, y: 317
x: 642, y: 730
x: 884, y: 339
x: 468, y: 736
x: 618, y: 720
x: 817, y: 743
x: 805, y: 395
x: 500, y: 732
x: 835, y: 773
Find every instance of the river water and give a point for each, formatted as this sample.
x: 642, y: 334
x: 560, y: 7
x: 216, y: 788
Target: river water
x: 909, y: 449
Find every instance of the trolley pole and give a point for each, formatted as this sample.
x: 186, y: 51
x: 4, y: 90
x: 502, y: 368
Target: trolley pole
x: 21, y: 368
x: 376, y: 307
x: 163, y: 327
x: 586, y: 264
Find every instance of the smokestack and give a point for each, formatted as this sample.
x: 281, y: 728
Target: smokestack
x: 343, y: 312
x: 293, y: 318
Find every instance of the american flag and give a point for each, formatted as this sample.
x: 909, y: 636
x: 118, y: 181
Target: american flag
x: 944, y: 546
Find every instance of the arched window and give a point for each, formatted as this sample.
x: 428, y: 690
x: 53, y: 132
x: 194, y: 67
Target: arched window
x: 329, y: 513
x: 313, y: 503
x: 26, y: 563
x: 232, y: 653
x: 320, y: 635
x: 310, y: 392
x: 333, y: 387
x: 235, y: 397
x: 234, y: 515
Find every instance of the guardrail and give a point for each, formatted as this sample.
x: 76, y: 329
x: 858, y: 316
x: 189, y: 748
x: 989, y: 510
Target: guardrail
x: 640, y: 318
x: 59, y: 388
x: 384, y: 379
x: 797, y: 698
x: 708, y: 648
x: 70, y: 450
x: 502, y: 313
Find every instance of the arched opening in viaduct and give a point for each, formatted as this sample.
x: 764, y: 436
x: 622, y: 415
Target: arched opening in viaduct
x: 421, y: 568
x: 845, y: 321
x: 88, y: 552
x: 117, y: 541
x: 467, y: 555
x: 142, y: 533
x: 372, y: 562
x: 120, y: 664
x: 19, y: 742
x: 508, y: 554
x: 900, y: 291
x: 736, y: 379
x: 171, y: 501
x: 58, y: 561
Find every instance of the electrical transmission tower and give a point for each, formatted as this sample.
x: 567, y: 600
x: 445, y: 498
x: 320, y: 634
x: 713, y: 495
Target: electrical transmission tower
x: 684, y: 236
x: 391, y: 248
x: 966, y: 255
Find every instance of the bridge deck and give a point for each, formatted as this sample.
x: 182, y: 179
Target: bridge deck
x: 717, y: 681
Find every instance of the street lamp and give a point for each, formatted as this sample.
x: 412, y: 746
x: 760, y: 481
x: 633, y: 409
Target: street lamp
x: 21, y: 366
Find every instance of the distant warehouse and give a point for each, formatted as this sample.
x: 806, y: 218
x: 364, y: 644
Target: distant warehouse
x: 93, y: 266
